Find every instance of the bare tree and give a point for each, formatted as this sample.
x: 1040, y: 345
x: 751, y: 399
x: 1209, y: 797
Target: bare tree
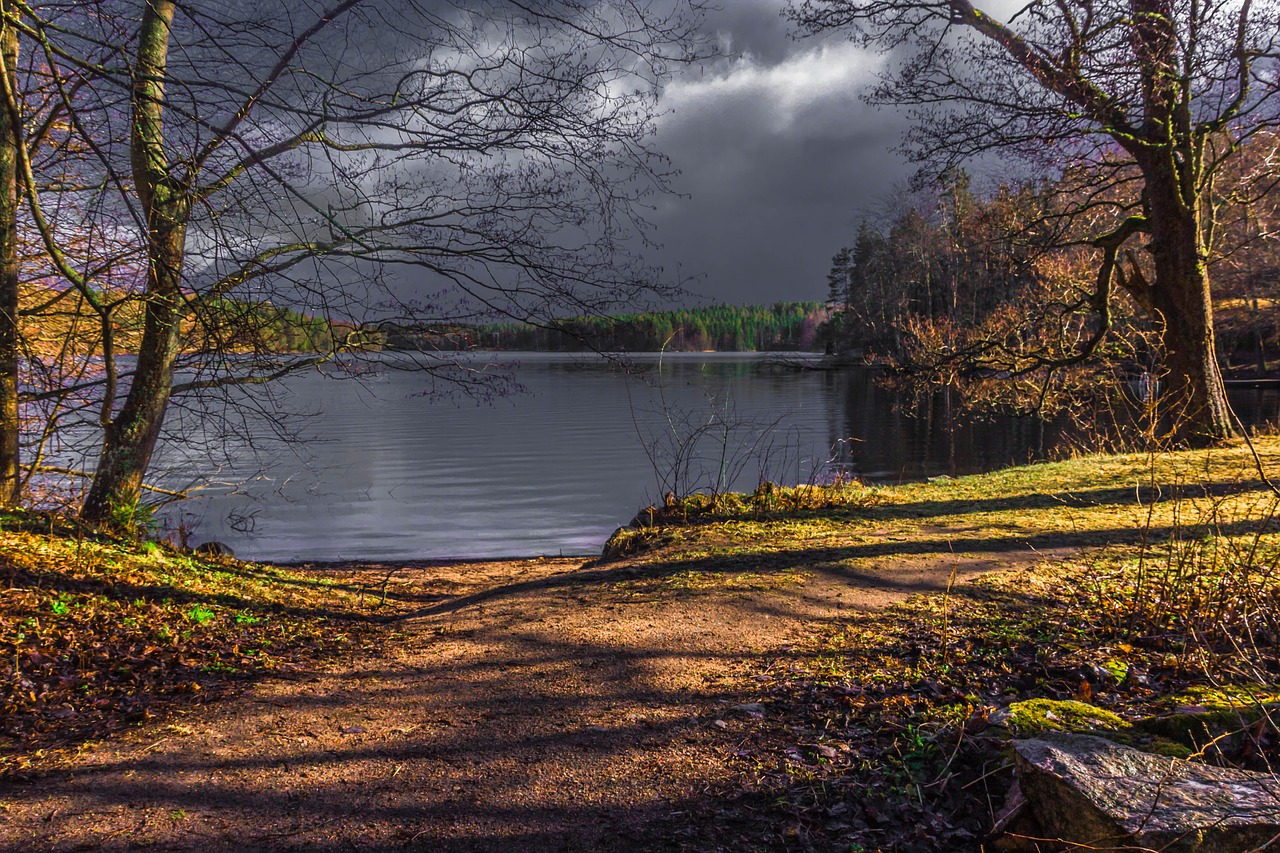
x: 339, y: 159
x: 9, y: 274
x: 32, y: 128
x: 1157, y: 95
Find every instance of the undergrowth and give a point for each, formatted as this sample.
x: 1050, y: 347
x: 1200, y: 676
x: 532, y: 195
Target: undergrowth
x: 1160, y: 631
x: 895, y: 732
x: 98, y: 634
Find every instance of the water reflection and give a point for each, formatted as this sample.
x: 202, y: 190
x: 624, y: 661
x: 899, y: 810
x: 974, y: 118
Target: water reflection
x: 909, y: 440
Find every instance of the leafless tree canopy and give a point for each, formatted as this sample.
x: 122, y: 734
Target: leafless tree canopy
x: 1145, y: 103
x: 364, y: 162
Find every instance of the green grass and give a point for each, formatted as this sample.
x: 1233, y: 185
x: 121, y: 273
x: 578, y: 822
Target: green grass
x: 1084, y: 502
x: 1162, y: 594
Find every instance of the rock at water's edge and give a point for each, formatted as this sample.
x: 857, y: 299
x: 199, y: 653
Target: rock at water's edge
x: 214, y: 548
x: 1087, y: 790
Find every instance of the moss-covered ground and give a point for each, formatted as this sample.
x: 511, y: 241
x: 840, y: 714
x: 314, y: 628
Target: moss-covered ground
x: 1136, y: 596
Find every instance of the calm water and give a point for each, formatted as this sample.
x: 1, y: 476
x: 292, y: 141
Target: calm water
x: 386, y: 471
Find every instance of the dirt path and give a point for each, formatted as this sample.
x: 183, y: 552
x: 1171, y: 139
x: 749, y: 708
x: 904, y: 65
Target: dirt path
x: 520, y: 705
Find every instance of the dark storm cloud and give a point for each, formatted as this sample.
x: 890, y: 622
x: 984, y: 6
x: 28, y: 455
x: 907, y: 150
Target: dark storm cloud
x: 778, y: 155
x: 753, y: 27
x: 779, y: 159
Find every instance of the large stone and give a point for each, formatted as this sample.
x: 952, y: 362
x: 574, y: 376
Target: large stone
x: 213, y: 548
x: 1085, y: 790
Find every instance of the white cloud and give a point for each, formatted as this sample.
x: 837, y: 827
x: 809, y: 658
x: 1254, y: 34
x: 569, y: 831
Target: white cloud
x: 780, y: 93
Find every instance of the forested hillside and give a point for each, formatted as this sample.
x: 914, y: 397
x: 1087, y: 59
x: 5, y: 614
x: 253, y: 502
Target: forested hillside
x: 726, y: 328
x: 234, y: 326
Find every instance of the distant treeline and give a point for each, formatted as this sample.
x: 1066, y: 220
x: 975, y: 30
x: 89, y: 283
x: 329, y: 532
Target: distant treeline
x: 228, y: 325
x: 725, y: 328
x: 236, y: 326
x: 68, y: 324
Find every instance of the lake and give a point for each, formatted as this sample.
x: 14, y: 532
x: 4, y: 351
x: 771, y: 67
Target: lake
x: 387, y: 469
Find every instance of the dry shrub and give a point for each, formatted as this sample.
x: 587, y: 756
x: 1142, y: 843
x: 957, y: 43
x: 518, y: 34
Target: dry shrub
x: 1209, y: 592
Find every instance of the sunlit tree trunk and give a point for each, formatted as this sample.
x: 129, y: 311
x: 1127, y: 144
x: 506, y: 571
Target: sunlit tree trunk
x: 131, y: 435
x: 1179, y: 299
x: 10, y: 426
x: 1175, y: 196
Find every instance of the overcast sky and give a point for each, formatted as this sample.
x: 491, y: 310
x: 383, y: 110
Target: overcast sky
x: 779, y: 159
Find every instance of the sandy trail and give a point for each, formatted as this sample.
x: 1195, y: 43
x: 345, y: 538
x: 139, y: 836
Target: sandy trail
x: 520, y: 705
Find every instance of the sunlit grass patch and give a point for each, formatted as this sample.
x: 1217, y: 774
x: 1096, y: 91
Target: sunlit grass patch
x: 1154, y: 622
x: 1089, y: 501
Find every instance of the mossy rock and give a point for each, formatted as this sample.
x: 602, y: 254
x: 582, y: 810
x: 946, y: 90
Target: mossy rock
x: 1158, y: 745
x: 1195, y: 726
x: 626, y: 541
x: 1037, y: 716
x: 1228, y: 697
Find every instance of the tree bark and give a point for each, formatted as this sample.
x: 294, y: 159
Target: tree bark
x: 131, y: 435
x: 1166, y: 147
x: 1195, y: 398
x: 10, y: 423
x: 1174, y: 194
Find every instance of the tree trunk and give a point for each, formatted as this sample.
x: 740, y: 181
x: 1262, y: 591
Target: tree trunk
x: 10, y: 425
x: 1194, y: 397
x: 131, y: 435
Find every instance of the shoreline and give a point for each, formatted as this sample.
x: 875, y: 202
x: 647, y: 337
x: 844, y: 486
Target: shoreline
x: 355, y: 563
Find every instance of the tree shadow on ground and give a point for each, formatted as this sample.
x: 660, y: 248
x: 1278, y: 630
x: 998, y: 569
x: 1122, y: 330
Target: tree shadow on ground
x: 522, y: 746
x: 1139, y: 493
x: 835, y: 561
x: 517, y: 743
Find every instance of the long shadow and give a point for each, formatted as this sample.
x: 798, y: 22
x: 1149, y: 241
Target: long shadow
x: 1138, y: 493
x: 428, y: 688
x: 514, y: 826
x: 155, y: 679
x: 530, y: 649
x: 452, y: 809
x: 495, y: 818
x: 598, y: 571
x: 123, y: 591
x: 338, y: 821
x: 324, y: 581
x: 832, y: 560
x: 1144, y: 494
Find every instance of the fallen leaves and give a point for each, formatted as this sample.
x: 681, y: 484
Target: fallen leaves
x: 97, y: 635
x: 891, y: 733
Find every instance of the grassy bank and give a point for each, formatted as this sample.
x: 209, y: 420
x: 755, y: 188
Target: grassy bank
x: 100, y: 634
x: 1152, y: 616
